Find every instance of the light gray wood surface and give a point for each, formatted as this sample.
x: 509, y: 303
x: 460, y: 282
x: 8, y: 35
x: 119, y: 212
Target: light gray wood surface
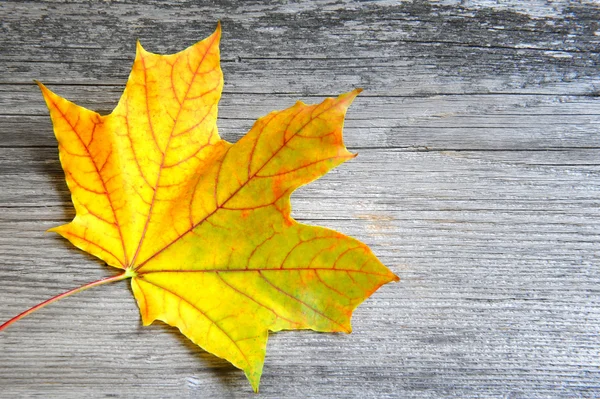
x: 478, y: 183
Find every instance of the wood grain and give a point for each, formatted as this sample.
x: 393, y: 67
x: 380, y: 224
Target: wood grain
x: 477, y: 182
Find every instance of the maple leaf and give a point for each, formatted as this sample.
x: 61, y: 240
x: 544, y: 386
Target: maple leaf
x: 203, y: 227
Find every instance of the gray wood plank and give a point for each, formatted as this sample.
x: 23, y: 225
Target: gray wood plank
x: 477, y: 182
x: 399, y: 49
x: 443, y: 122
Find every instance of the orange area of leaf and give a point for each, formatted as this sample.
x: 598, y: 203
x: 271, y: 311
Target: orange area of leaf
x: 204, y: 226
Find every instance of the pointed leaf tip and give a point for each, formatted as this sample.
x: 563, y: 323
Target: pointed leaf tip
x: 49, y: 96
x: 254, y: 382
x: 42, y: 87
x: 348, y: 98
x: 217, y: 32
x: 139, y: 49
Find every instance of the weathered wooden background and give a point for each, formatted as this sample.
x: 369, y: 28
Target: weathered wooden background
x: 478, y: 183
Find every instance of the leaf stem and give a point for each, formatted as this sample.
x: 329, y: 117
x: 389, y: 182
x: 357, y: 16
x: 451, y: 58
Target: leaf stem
x: 102, y: 281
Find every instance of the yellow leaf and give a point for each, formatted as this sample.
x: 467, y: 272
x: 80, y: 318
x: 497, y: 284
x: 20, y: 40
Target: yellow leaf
x: 203, y: 227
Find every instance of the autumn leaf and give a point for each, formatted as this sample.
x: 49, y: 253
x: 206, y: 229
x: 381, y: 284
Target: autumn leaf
x: 201, y: 226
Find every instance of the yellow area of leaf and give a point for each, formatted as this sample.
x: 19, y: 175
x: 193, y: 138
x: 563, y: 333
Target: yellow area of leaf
x: 203, y: 226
